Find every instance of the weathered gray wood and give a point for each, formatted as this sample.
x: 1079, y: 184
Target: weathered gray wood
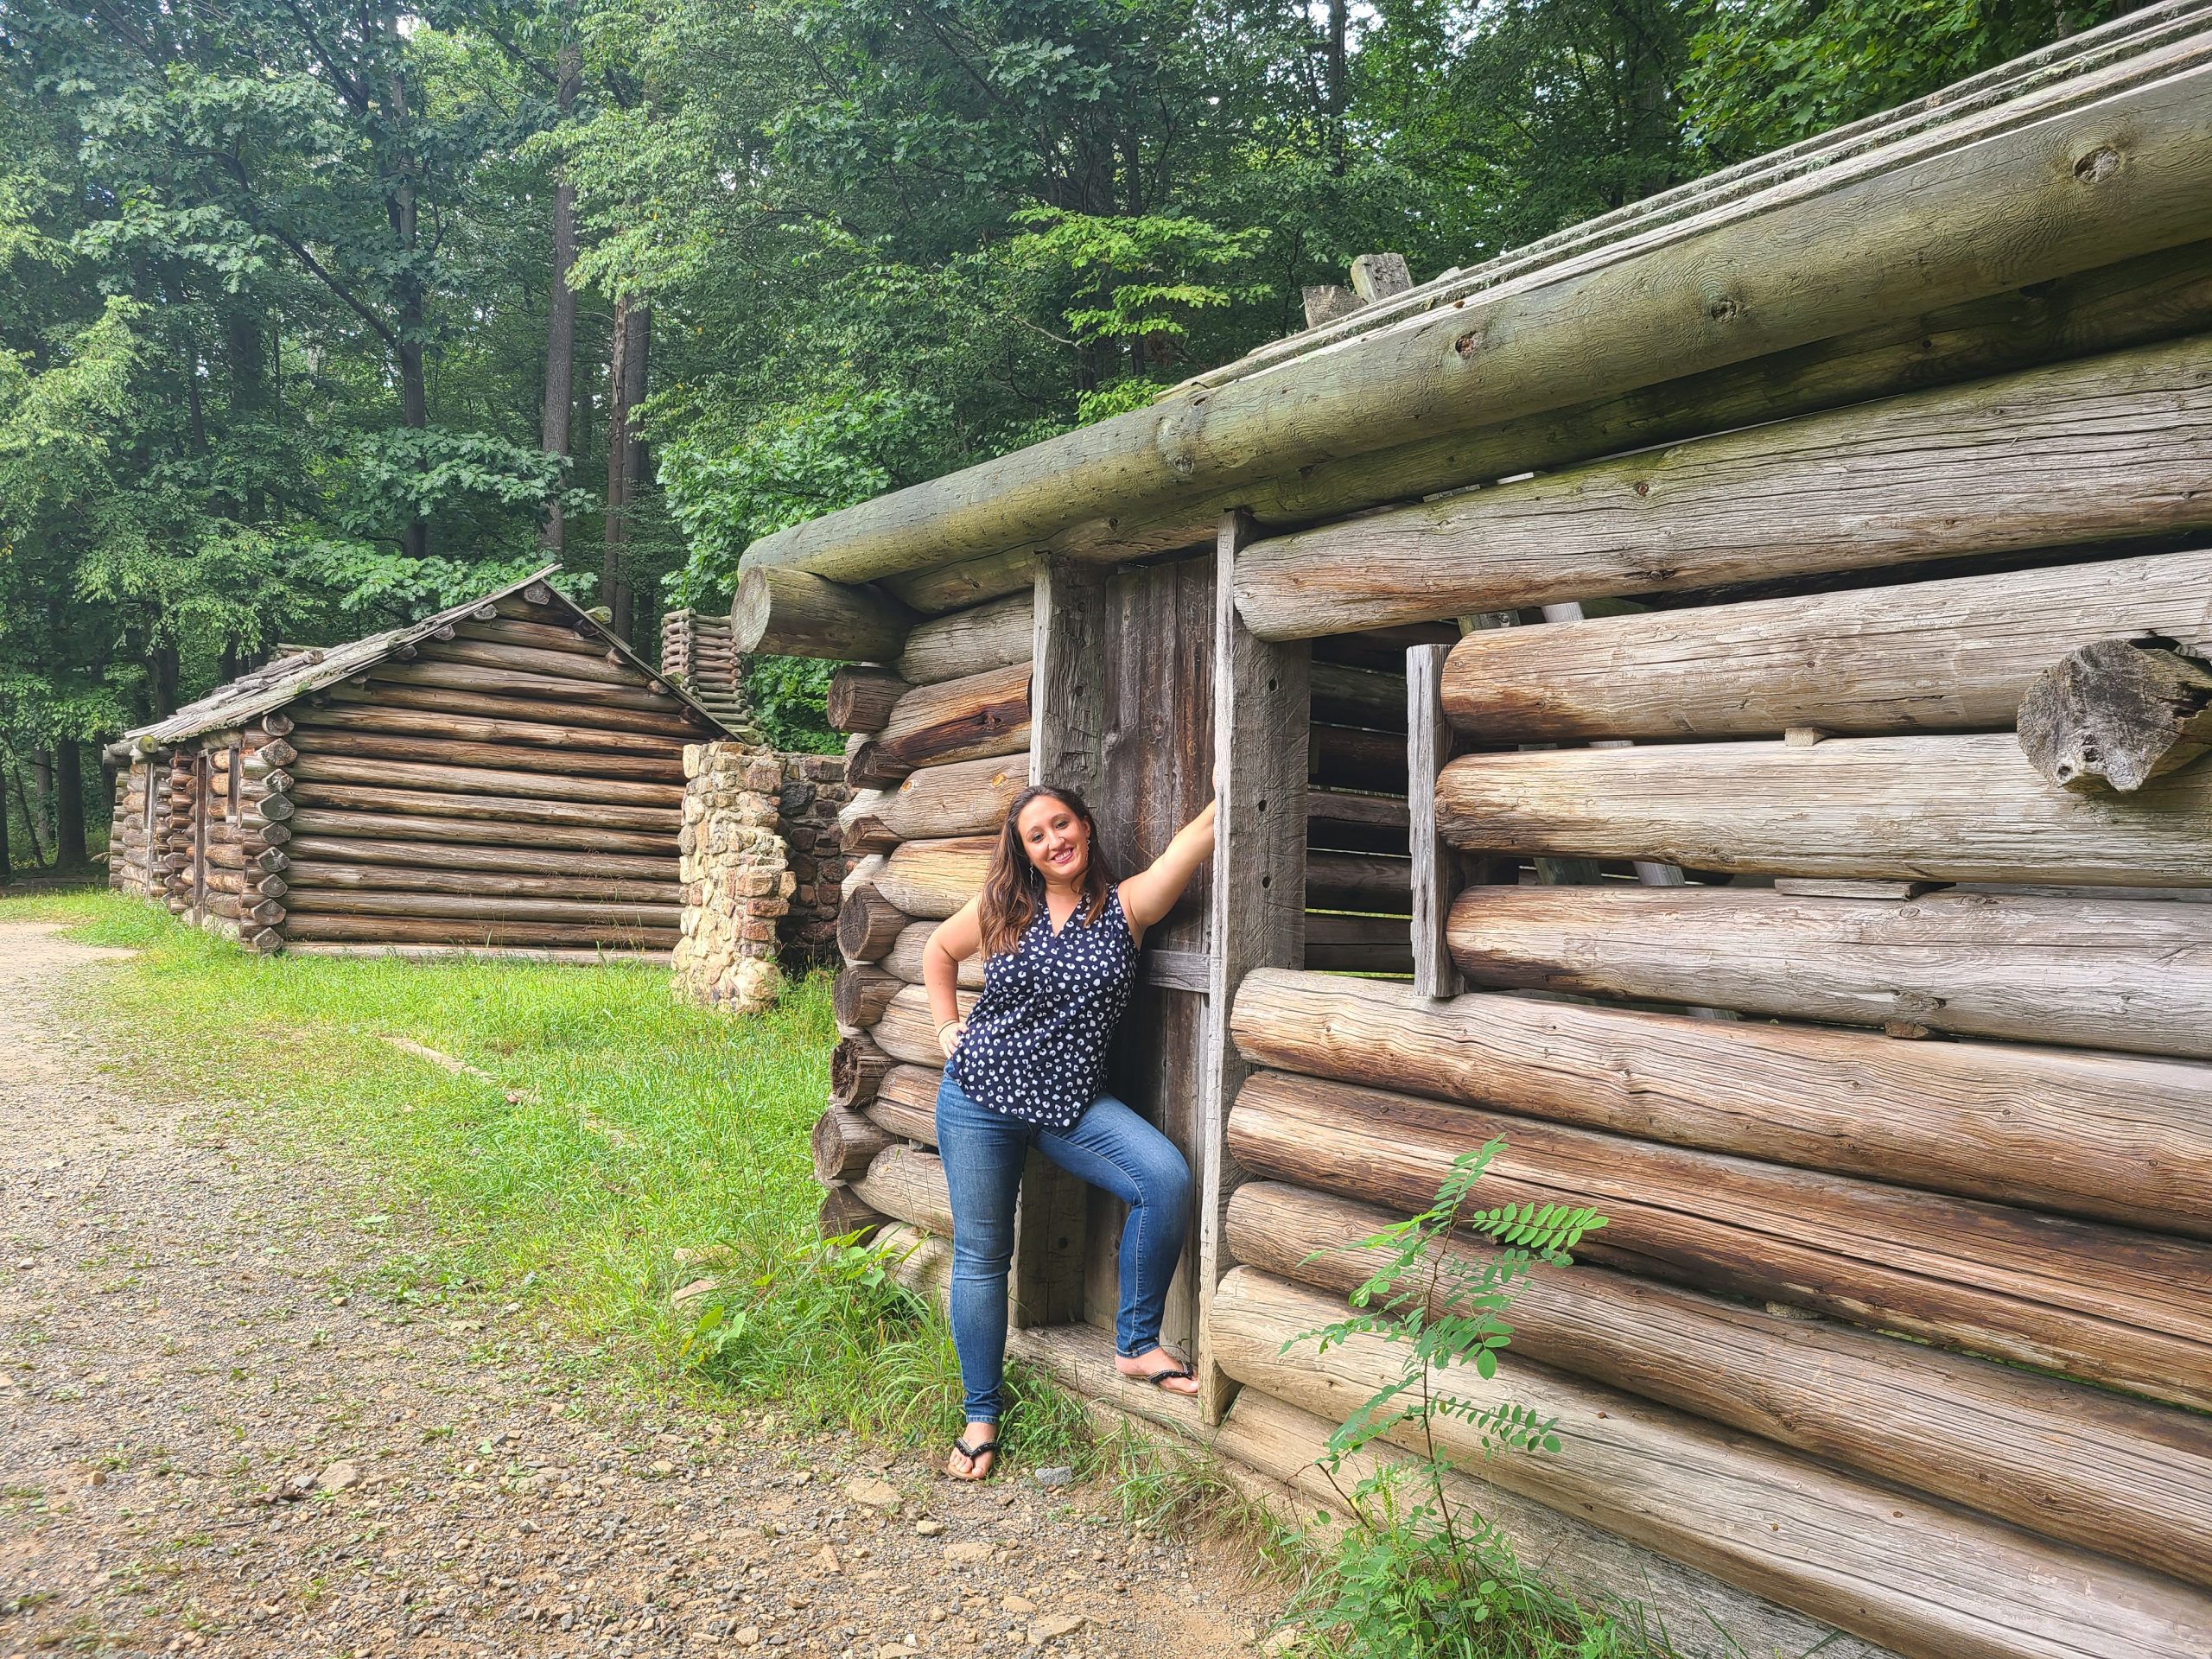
x: 844, y: 1144
x: 1920, y: 1577
x: 789, y: 614
x: 861, y: 992
x: 2123, y: 1138
x: 1068, y: 718
x: 1357, y: 945
x: 905, y: 957
x: 2127, y: 1309
x: 394, y: 829
x: 971, y: 641
x: 968, y: 719
x: 1967, y: 808
x: 2071, y: 453
x: 2108, y: 973
x: 932, y: 879
x: 478, y: 906
x: 963, y: 798
x: 424, y: 930
x: 1368, y: 882
x: 1428, y: 745
x: 2115, y: 714
x: 548, y: 876
x: 1256, y: 904
x: 326, y: 853
x: 498, y: 809
x: 861, y: 697
x: 857, y: 1068
x: 1703, y: 1618
x: 907, y: 1032
x: 1952, y: 655
x: 322, y: 766
x: 868, y: 923
x: 1836, y: 254
x: 2088, y: 1468
x: 1359, y: 696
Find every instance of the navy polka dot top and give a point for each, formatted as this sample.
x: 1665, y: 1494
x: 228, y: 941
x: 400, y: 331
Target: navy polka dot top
x: 1035, y: 1046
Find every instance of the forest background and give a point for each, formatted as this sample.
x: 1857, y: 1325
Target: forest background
x: 316, y: 313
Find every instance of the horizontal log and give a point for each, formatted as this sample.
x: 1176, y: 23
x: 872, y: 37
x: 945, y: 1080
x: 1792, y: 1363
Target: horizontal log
x: 510, y: 808
x: 1969, y: 808
x: 905, y: 1106
x: 845, y: 1214
x: 478, y: 906
x: 578, y: 639
x: 966, y: 798
x: 932, y: 879
x: 947, y: 587
x: 2113, y: 714
x: 907, y: 1032
x: 561, y: 699
x: 639, y: 761
x: 482, y: 716
x: 904, y: 959
x: 1895, y: 1568
x: 1934, y: 656
x: 861, y: 992
x: 970, y: 641
x: 981, y: 716
x: 392, y: 829
x: 494, y: 884
x: 844, y: 1144
x: 907, y: 1183
x: 861, y: 697
x: 328, y: 767
x: 2090, y: 1468
x: 789, y: 614
x: 1359, y: 696
x: 424, y: 930
x: 1345, y: 757
x: 1341, y: 820
x: 397, y: 861
x: 856, y: 1066
x: 1618, y: 317
x: 589, y: 667
x: 868, y: 923
x: 2111, y: 972
x: 858, y: 828
x: 1703, y: 1618
x: 2132, y: 1311
x: 2121, y: 1138
x: 2057, y: 455
x: 1358, y: 944
x: 1359, y: 881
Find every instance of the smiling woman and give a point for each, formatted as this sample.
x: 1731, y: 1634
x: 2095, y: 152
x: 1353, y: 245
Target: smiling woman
x: 1059, y: 937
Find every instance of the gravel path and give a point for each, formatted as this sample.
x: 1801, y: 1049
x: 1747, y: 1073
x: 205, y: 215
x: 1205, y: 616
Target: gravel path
x: 214, y: 1439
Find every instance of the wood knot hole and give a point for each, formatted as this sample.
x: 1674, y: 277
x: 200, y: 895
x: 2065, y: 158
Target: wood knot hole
x: 2098, y: 165
x: 1724, y: 310
x: 1469, y: 343
x: 1643, y: 487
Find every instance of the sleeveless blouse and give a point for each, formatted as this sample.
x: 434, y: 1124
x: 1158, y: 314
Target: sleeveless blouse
x: 1035, y: 1046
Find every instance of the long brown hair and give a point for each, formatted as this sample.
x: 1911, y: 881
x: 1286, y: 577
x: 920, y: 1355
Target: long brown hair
x: 1014, y: 890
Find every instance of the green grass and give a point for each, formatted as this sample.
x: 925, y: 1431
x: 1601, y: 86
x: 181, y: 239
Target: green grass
x: 618, y: 1130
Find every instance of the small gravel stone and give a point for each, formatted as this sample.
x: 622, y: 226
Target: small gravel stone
x: 1059, y: 1475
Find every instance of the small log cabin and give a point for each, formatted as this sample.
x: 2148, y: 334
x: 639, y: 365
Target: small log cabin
x: 504, y: 775
x: 1615, y: 654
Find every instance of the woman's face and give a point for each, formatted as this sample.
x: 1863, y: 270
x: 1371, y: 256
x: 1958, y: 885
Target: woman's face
x: 1057, y: 841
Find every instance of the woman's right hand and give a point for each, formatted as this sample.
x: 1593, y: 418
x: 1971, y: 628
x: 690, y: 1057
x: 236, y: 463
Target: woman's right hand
x: 949, y: 1035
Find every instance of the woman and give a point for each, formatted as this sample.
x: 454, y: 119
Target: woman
x: 1059, y: 937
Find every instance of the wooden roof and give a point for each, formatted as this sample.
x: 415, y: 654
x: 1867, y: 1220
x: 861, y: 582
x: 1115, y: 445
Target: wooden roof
x: 308, y: 668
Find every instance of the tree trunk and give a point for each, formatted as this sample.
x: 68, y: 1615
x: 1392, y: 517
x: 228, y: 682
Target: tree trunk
x: 561, y: 313
x: 626, y: 383
x: 69, y: 851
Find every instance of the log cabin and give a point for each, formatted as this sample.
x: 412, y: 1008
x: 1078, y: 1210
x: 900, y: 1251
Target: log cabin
x: 1655, y: 677
x: 505, y: 775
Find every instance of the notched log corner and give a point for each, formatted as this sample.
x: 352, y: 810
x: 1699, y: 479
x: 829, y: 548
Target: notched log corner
x: 2115, y: 715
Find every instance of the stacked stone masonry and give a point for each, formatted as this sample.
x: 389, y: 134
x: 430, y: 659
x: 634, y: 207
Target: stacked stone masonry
x: 761, y: 868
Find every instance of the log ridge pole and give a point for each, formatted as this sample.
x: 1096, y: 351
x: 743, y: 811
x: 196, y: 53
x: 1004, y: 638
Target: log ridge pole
x: 1067, y: 748
x: 1257, y: 913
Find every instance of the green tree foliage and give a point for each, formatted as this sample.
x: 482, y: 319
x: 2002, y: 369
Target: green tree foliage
x: 276, y: 275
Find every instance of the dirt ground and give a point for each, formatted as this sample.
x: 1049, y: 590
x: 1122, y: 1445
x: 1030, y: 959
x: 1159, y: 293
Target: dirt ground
x: 208, y: 1445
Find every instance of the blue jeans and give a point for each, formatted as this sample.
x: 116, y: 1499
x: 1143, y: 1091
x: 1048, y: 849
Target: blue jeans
x: 1108, y: 1146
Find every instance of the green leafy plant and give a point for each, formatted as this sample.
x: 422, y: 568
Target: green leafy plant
x: 1419, y: 1574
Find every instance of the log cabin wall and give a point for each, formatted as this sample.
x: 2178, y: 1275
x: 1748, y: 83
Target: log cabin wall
x: 135, y: 836
x: 517, y: 785
x: 1731, y: 540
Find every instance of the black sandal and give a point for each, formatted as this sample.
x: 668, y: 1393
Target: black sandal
x: 987, y: 1449
x: 1160, y: 1379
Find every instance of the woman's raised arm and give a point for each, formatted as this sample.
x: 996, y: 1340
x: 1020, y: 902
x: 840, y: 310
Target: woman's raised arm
x: 1151, y: 894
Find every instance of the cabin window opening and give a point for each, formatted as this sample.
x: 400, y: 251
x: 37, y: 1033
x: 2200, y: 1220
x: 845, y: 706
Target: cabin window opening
x: 148, y: 791
x: 230, y: 797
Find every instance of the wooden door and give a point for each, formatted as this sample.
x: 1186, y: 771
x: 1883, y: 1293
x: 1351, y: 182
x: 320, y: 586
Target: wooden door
x: 1156, y: 775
